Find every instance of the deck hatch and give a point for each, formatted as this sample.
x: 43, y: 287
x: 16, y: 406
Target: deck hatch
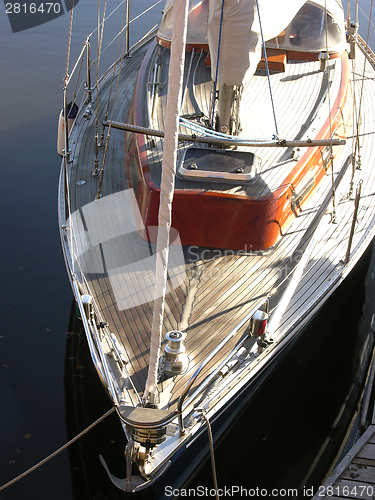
x: 217, y: 164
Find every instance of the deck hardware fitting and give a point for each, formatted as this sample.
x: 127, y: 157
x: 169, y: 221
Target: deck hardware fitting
x: 87, y: 112
x: 117, y: 350
x: 174, y: 359
x: 96, y: 170
x: 67, y: 155
x: 354, y: 220
x: 352, y: 35
x: 87, y: 301
x: 233, y: 362
x: 258, y: 323
x: 219, y: 141
x: 323, y: 58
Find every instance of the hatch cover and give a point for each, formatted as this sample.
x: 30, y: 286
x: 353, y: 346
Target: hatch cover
x: 219, y: 165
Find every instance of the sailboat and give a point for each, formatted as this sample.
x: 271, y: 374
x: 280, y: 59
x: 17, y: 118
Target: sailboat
x: 216, y: 188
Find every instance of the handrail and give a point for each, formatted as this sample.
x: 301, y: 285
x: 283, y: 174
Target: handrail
x: 205, y: 362
x: 150, y: 34
x: 86, y: 46
x: 97, y: 310
x: 354, y: 220
x: 106, y: 376
x: 145, y: 418
x: 227, y: 142
x: 77, y: 62
x: 366, y: 49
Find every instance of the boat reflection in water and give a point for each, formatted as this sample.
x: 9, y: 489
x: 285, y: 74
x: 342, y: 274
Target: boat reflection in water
x: 85, y: 402
x: 287, y: 438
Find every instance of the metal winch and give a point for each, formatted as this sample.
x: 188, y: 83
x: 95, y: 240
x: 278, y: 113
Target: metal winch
x: 174, y: 360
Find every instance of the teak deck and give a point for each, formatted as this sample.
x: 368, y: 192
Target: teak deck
x: 216, y: 289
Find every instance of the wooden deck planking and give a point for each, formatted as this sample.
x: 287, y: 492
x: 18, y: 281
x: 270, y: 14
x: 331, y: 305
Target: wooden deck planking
x: 255, y: 288
x: 211, y: 319
x: 103, y: 293
x: 221, y: 318
x: 82, y: 170
x: 261, y: 282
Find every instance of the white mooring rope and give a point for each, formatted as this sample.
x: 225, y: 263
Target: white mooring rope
x: 211, y: 442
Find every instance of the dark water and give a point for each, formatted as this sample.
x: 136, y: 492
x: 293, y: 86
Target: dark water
x: 294, y: 426
x: 277, y: 439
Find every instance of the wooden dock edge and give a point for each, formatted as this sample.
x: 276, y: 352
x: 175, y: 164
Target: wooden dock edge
x: 335, y: 482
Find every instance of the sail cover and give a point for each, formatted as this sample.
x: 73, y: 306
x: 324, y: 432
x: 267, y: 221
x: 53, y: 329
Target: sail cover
x: 240, y: 42
x: 176, y: 73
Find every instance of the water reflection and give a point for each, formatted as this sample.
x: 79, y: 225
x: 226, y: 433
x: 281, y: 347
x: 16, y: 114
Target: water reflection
x: 293, y: 427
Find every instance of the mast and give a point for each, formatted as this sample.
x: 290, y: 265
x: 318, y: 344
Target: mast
x: 175, y: 80
x: 235, y: 36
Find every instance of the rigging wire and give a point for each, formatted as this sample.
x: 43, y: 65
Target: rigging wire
x: 69, y: 41
x: 366, y: 16
x: 217, y: 65
x: 353, y: 87
x: 113, y: 73
x: 76, y: 86
x: 132, y: 20
x: 358, y: 115
x: 98, y: 194
x: 211, y: 443
x: 267, y: 70
x: 114, y: 10
x: 66, y: 153
x: 333, y: 191
x: 99, y: 46
x: 219, y: 135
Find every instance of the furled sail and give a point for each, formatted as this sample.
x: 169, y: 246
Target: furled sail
x: 176, y: 72
x: 240, y: 43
